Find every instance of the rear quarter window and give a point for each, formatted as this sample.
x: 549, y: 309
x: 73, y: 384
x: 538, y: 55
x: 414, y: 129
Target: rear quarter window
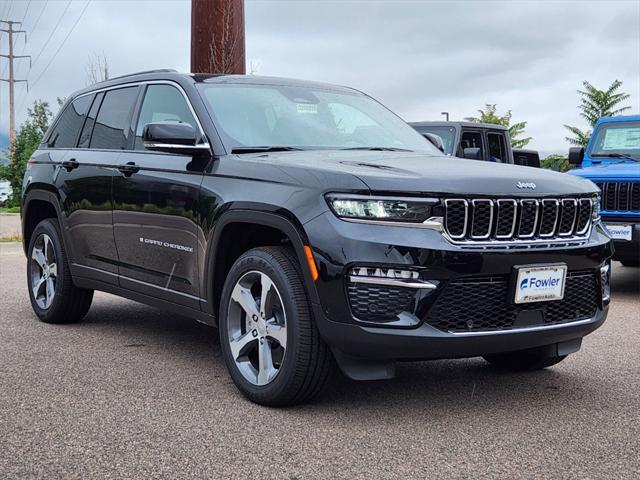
x: 114, y: 119
x: 67, y: 128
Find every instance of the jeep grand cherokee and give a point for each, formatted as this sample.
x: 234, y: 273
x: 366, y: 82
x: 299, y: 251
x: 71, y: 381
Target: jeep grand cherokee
x: 312, y: 226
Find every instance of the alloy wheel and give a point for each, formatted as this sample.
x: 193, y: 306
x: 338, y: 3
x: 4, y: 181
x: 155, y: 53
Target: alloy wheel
x: 43, y: 271
x: 257, y: 328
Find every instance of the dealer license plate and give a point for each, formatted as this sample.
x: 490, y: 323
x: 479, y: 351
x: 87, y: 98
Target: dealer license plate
x: 620, y: 232
x: 540, y: 283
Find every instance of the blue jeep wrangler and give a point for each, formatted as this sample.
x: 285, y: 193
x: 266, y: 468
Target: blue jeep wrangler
x: 612, y: 161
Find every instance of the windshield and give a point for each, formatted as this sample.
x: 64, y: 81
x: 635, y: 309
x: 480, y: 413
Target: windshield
x: 447, y: 134
x: 616, y: 139
x: 306, y: 118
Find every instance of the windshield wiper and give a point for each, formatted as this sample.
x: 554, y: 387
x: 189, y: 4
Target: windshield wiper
x: 379, y: 149
x: 260, y: 149
x: 615, y: 155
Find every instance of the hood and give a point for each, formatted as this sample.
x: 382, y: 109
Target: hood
x: 417, y: 173
x: 606, y: 171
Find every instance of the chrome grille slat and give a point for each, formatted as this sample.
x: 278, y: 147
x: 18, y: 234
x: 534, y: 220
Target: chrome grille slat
x: 507, y: 207
x: 550, y: 208
x: 501, y: 221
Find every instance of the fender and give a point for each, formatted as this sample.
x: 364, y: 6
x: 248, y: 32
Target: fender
x: 295, y: 233
x: 35, y: 193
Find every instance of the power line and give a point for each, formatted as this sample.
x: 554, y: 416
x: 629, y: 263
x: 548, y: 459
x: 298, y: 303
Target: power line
x: 33, y: 29
x: 52, y: 32
x: 62, y: 44
x: 25, y: 11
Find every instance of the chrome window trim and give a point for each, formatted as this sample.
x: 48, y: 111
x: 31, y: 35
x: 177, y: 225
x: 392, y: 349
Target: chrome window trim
x: 154, y: 82
x: 555, y: 222
x: 575, y: 216
x: 535, y: 219
x: 466, y: 216
x: 515, y: 217
x: 473, y: 203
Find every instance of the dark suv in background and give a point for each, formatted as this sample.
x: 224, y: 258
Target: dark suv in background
x: 311, y: 225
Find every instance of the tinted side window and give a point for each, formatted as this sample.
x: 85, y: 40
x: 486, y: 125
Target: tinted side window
x: 472, y: 140
x: 68, y: 126
x: 112, y: 123
x: 162, y: 103
x: 85, y: 135
x: 497, y: 150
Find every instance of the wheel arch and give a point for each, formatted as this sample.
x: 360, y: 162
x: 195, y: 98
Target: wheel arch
x: 218, y: 261
x: 39, y: 205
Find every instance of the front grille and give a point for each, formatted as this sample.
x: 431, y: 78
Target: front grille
x: 486, y: 304
x: 620, y: 196
x: 379, y: 303
x: 508, y: 219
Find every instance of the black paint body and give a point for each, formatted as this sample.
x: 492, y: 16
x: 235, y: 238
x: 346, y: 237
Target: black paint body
x: 116, y: 224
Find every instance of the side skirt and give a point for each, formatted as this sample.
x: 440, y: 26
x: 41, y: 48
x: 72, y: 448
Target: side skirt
x: 83, y: 282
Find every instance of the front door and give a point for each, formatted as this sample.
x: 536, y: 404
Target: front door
x: 155, y: 207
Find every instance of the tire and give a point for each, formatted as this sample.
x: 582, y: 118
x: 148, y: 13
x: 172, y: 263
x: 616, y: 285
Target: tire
x: 57, y: 299
x: 525, y: 360
x: 631, y: 262
x: 296, y: 371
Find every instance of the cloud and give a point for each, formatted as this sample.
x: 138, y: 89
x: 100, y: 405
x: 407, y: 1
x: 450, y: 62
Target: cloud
x: 419, y: 58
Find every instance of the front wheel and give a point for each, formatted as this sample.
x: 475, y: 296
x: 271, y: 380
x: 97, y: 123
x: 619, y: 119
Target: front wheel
x: 525, y: 360
x: 268, y: 337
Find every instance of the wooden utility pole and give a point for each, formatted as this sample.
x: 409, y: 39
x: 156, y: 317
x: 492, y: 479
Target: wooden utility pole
x: 11, y: 80
x: 217, y: 36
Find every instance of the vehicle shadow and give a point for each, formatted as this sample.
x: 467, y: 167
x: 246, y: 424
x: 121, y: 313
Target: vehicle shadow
x: 625, y: 280
x: 439, y: 385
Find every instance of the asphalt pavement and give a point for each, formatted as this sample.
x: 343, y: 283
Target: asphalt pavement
x: 135, y: 392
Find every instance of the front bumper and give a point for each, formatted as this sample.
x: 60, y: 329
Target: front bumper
x: 626, y: 249
x: 339, y: 245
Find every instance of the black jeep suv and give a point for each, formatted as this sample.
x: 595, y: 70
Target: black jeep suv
x: 311, y: 225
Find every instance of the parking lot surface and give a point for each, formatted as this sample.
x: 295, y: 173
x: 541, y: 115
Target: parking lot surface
x: 135, y: 392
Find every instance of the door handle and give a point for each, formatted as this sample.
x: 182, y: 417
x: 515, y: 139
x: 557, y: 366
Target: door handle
x: 70, y: 164
x: 128, y: 169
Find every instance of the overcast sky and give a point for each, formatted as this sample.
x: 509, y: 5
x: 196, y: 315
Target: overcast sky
x: 418, y: 57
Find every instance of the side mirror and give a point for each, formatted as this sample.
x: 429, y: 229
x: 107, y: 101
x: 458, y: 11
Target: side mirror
x: 527, y: 158
x: 576, y: 155
x: 173, y: 137
x: 472, y: 153
x: 436, y: 140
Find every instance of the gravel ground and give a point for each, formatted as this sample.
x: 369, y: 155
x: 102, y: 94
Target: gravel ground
x: 137, y: 393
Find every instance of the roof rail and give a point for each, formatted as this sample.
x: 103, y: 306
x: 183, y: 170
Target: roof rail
x: 160, y: 70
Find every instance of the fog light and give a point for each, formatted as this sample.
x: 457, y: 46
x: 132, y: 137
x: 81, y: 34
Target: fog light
x: 605, y: 281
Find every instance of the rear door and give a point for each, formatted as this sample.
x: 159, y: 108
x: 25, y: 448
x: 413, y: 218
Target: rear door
x: 497, y: 146
x: 84, y: 180
x: 155, y: 206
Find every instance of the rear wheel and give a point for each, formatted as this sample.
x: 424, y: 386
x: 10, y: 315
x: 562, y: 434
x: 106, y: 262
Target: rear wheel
x: 269, y: 340
x: 54, y: 297
x: 525, y: 360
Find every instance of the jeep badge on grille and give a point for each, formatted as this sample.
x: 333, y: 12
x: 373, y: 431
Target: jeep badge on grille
x: 530, y: 185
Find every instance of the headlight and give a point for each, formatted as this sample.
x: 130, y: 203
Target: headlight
x: 380, y: 209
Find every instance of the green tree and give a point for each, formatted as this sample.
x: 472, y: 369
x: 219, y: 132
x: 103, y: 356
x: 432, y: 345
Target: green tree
x: 26, y: 141
x: 489, y: 115
x: 595, y: 104
x: 559, y: 163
